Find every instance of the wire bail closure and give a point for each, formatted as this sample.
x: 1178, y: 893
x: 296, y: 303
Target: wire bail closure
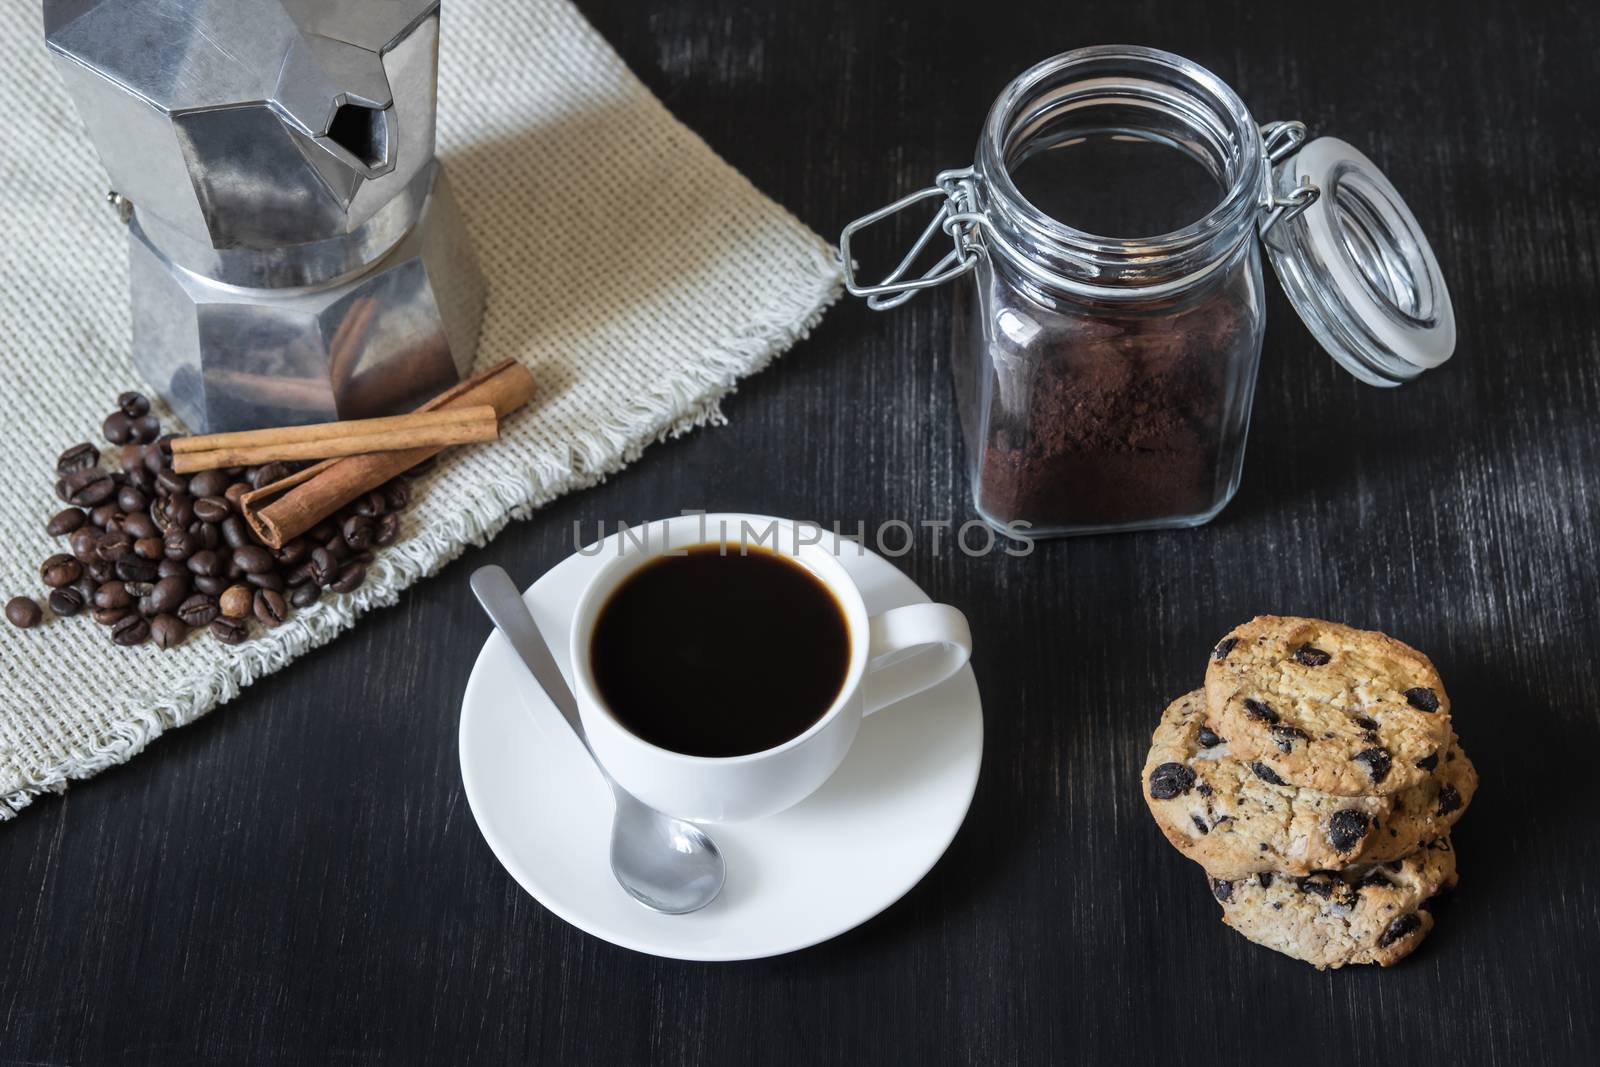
x: 1279, y: 141
x: 957, y: 217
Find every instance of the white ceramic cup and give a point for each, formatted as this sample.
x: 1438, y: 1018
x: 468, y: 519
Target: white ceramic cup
x: 893, y: 655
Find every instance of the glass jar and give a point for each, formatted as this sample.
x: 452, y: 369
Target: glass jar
x: 1105, y: 382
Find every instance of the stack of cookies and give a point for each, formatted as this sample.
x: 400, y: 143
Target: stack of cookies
x: 1315, y: 777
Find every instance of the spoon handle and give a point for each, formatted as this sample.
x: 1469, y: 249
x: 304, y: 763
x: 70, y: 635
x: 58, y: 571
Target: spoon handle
x: 502, y: 602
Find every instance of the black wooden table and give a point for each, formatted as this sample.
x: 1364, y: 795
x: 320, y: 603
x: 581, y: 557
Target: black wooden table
x: 297, y: 877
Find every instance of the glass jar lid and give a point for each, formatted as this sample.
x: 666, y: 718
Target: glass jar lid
x: 1356, y: 265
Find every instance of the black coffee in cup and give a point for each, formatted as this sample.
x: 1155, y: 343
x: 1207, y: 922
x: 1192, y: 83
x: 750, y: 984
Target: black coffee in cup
x: 720, y: 651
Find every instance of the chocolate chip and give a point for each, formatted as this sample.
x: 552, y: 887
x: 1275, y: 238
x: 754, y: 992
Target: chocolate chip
x: 1224, y: 646
x: 1428, y: 762
x: 1200, y: 824
x: 1376, y: 878
x: 1369, y: 725
x: 1266, y: 774
x: 1311, y: 656
x: 1449, y: 800
x: 1285, y: 736
x: 1264, y: 879
x: 1170, y: 780
x: 1222, y: 889
x: 1316, y: 885
x: 1203, y: 789
x: 1260, y: 711
x: 1209, y: 739
x: 1423, y: 699
x: 1377, y: 762
x: 1346, y: 828
x: 1400, y: 927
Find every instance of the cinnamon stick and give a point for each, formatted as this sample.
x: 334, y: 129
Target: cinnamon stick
x: 287, y: 508
x: 451, y: 426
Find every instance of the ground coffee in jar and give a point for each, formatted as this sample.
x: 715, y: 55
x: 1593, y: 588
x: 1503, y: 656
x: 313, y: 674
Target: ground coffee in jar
x: 1105, y: 382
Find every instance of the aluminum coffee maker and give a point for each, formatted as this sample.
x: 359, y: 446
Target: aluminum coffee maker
x: 295, y: 252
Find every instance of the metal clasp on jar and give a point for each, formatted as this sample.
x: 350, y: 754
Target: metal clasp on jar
x: 957, y: 217
x: 1279, y: 141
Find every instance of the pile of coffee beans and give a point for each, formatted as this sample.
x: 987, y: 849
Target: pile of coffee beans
x: 153, y: 555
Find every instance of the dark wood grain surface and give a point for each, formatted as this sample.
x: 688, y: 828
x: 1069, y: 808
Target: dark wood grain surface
x: 297, y: 877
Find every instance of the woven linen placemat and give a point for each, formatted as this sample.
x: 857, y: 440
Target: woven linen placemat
x: 636, y: 274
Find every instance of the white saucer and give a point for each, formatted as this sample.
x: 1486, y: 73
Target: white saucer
x: 828, y: 864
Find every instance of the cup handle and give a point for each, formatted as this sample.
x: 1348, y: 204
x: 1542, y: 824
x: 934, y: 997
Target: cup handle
x: 910, y: 649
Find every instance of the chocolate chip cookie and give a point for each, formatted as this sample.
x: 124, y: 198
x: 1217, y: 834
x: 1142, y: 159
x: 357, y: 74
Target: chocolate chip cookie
x: 1326, y: 706
x: 1372, y: 914
x: 1221, y: 813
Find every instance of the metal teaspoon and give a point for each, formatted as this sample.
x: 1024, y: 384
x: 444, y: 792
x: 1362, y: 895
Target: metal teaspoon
x: 664, y: 863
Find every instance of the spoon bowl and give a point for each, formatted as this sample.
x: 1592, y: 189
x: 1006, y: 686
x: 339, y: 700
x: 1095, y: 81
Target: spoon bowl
x: 666, y: 864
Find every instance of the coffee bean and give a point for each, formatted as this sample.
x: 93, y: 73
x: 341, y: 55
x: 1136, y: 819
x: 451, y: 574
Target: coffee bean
x: 146, y: 428
x: 133, y: 404
x: 208, y: 483
x: 229, y: 631
x: 234, y: 570
x: 209, y: 534
x: 321, y: 532
x: 180, y: 544
x: 139, y: 525
x: 300, y: 573
x: 211, y: 509
x: 109, y: 616
x: 267, y: 580
x: 23, y: 612
x: 396, y: 494
x: 134, y: 569
x: 234, y: 532
x: 236, y: 601
x: 84, y: 542
x: 295, y: 551
x: 178, y: 509
x: 155, y: 460
x: 270, y: 608
x: 131, y: 459
x: 269, y: 473
x: 165, y: 596
x: 105, y: 516
x: 253, y: 558
x: 350, y: 577
x: 166, y: 568
x: 388, y: 530
x: 65, y: 521
x: 169, y: 482
x: 304, y: 595
x: 86, y: 588
x: 338, y: 547
x: 113, y: 595
x: 59, y: 570
x: 130, y: 630
x: 324, y: 566
x: 358, y: 532
x: 234, y: 492
x: 145, y: 481
x: 369, y: 505
x: 99, y: 570
x: 118, y: 428
x: 207, y: 563
x: 211, y: 585
x: 148, y: 548
x: 79, y: 457
x: 198, y: 610
x: 114, y: 545
x: 130, y: 499
x: 66, y: 601
x: 89, y: 487
x: 168, y: 631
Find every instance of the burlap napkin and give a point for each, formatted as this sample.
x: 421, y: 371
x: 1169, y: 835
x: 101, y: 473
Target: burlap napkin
x: 634, y: 272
